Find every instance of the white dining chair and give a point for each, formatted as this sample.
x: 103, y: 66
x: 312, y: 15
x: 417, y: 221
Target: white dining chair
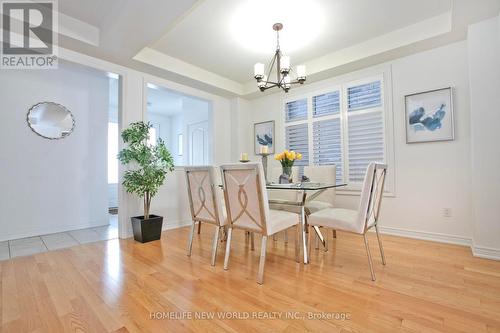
x: 280, y: 195
x: 205, y: 203
x: 321, y: 174
x: 247, y: 208
x: 361, y: 220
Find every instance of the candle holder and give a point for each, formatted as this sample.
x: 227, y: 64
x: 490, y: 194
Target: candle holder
x: 264, y: 164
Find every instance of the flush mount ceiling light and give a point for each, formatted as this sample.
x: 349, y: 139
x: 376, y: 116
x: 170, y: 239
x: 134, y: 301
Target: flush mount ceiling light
x: 283, y: 70
x: 250, y: 20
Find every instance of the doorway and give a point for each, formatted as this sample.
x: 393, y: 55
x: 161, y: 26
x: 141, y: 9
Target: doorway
x: 198, y: 143
x: 183, y: 122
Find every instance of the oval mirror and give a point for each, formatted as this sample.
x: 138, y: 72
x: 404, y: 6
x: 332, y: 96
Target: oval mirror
x: 50, y: 120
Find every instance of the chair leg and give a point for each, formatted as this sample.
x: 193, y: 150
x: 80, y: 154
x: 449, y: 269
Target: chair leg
x: 303, y: 221
x: 252, y: 241
x: 286, y: 237
x: 190, y: 242
x: 380, y: 245
x: 320, y: 238
x: 297, y: 242
x: 262, y: 263
x: 309, y: 239
x: 199, y: 228
x: 228, y: 248
x: 215, y: 245
x: 325, y: 238
x: 369, y: 257
x: 334, y: 233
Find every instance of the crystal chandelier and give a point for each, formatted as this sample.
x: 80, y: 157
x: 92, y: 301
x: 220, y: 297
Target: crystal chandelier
x: 283, y: 70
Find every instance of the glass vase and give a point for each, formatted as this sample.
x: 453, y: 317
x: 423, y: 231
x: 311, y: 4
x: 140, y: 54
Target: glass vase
x: 286, y: 176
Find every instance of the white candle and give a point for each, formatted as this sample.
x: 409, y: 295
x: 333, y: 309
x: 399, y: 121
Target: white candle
x: 258, y: 69
x: 264, y: 149
x: 244, y: 156
x: 285, y: 63
x: 301, y: 71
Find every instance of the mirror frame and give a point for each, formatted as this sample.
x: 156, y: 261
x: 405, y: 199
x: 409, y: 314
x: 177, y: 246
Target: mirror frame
x: 53, y: 103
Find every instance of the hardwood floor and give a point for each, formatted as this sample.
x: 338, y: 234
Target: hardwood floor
x: 121, y: 285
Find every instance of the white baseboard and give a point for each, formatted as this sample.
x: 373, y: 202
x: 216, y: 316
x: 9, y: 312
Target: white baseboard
x: 477, y: 251
x: 43, y: 230
x: 175, y: 224
x: 424, y: 235
x: 485, y: 252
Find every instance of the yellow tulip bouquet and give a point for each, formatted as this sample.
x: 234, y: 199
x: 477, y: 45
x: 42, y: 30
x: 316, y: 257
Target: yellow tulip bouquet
x: 287, y: 159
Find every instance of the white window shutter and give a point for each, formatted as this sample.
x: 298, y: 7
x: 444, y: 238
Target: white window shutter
x: 326, y: 104
x: 327, y: 144
x: 297, y: 140
x: 296, y: 110
x: 366, y: 143
x: 364, y: 96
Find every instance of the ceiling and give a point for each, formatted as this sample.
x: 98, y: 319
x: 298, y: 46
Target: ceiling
x: 93, y: 12
x: 230, y: 46
x: 213, y: 44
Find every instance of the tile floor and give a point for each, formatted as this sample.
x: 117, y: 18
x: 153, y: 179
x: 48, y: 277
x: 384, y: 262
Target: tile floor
x: 32, y: 245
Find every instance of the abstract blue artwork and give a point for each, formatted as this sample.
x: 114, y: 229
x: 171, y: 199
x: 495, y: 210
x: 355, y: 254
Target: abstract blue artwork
x: 429, y: 116
x: 264, y: 136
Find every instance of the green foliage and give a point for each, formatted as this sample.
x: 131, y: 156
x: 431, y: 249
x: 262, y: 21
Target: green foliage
x: 149, y: 164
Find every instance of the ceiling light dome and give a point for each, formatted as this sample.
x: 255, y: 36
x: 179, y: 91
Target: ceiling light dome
x: 250, y: 24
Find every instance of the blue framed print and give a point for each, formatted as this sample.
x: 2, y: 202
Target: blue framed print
x: 429, y: 116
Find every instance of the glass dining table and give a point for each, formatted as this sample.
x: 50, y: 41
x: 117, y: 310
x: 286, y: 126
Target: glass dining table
x: 307, y: 191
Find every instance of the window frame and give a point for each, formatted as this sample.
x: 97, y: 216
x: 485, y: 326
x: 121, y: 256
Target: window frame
x: 342, y: 84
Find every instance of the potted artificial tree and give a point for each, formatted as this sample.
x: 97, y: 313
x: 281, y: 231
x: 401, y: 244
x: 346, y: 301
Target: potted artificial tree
x: 148, y: 167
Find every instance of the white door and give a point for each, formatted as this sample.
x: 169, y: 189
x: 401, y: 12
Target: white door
x: 198, y: 143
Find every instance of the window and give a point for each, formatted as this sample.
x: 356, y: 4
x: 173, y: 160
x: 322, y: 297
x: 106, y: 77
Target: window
x: 296, y: 110
x: 297, y: 140
x: 326, y: 104
x: 344, y: 126
x: 327, y: 144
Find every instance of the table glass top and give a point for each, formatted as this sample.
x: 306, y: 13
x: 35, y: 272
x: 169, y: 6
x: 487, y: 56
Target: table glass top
x: 306, y: 186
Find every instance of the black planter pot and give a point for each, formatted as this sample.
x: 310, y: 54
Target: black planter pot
x: 147, y: 230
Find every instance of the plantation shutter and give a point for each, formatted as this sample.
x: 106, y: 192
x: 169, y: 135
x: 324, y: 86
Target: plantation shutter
x: 297, y: 140
x: 296, y: 110
x: 364, y: 96
x: 327, y: 144
x: 365, y: 129
x: 326, y: 104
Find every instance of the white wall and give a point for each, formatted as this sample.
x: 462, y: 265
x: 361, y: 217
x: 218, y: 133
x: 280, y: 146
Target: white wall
x: 164, y: 123
x: 53, y: 185
x: 428, y: 176
x: 176, y: 128
x: 484, y: 72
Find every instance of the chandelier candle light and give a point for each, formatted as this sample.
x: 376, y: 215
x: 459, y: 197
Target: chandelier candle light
x: 283, y: 69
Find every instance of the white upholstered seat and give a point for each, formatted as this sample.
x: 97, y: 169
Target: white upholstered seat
x: 336, y: 218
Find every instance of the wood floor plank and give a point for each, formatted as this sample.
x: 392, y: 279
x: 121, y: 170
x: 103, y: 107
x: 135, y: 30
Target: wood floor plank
x: 124, y: 286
